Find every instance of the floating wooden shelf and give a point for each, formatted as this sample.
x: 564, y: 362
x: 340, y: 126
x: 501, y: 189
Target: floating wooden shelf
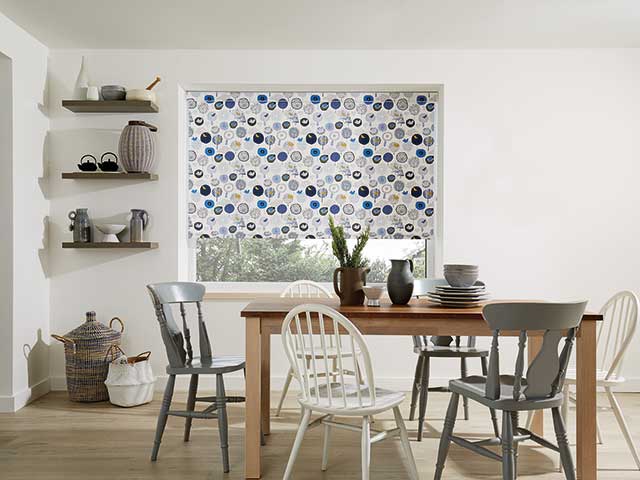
x: 109, y: 176
x: 143, y: 245
x: 110, y: 106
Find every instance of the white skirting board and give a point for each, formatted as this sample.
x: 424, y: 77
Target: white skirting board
x: 236, y: 383
x: 10, y: 404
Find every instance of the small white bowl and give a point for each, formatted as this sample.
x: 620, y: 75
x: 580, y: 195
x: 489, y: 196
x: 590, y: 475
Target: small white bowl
x: 141, y: 94
x: 373, y: 293
x: 110, y: 232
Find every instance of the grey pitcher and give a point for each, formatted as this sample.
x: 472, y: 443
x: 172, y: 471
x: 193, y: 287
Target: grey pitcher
x: 137, y: 224
x: 400, y: 281
x: 80, y: 225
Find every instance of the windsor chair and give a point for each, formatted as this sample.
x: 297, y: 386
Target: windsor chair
x: 348, y: 396
x: 614, y: 337
x: 426, y: 352
x: 540, y: 389
x: 181, y: 296
x: 307, y: 289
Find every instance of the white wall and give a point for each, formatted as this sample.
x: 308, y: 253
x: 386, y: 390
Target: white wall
x: 540, y: 178
x: 26, y: 206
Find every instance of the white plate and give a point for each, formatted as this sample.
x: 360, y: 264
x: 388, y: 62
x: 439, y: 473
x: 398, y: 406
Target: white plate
x: 462, y: 289
x: 458, y: 299
x: 456, y: 305
x: 459, y: 294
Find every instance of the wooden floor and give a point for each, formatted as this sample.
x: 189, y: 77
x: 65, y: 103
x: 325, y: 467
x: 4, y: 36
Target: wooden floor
x: 57, y: 439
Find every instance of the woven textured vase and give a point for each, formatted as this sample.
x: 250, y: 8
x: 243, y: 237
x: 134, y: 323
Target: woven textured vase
x: 87, y: 365
x: 137, y: 147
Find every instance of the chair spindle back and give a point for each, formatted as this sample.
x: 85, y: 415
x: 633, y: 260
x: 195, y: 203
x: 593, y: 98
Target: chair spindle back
x: 620, y: 315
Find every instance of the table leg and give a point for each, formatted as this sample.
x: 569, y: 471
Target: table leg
x: 252, y: 461
x: 537, y: 423
x: 265, y: 381
x: 587, y: 455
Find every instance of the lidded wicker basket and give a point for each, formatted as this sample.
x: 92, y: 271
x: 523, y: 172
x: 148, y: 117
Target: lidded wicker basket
x: 85, y: 349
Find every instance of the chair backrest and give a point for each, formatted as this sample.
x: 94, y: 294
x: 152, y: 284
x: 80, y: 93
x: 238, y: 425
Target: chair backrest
x: 305, y: 289
x: 620, y: 318
x: 324, y: 322
x: 546, y: 373
x: 180, y: 295
x: 421, y: 286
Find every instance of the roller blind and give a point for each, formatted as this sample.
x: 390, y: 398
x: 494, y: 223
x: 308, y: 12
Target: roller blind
x: 277, y: 164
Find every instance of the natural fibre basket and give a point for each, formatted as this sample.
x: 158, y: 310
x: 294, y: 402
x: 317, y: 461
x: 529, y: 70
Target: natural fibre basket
x: 85, y: 349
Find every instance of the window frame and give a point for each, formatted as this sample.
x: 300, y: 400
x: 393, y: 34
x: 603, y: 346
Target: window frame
x: 242, y: 290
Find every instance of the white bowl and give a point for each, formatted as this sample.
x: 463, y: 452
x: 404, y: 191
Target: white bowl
x: 110, y: 231
x: 460, y: 279
x: 373, y: 292
x: 141, y: 94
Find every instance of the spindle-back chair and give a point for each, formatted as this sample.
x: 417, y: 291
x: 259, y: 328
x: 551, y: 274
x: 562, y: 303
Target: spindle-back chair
x: 184, y: 296
x: 351, y: 396
x: 540, y: 388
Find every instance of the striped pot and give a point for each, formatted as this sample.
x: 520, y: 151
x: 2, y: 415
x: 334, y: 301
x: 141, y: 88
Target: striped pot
x: 137, y: 147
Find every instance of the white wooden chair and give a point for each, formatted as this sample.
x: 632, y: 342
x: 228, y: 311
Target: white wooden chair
x: 348, y: 396
x: 614, y: 337
x: 307, y: 289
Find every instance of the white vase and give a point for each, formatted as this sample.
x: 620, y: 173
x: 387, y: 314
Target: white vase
x: 82, y: 82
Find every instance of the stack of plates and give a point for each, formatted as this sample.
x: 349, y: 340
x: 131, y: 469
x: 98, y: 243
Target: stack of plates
x: 449, y: 296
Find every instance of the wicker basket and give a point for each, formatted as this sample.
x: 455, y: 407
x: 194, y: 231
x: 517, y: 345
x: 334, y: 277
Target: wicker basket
x: 85, y: 349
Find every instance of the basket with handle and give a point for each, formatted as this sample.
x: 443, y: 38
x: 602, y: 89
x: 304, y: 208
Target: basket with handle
x: 130, y: 380
x: 85, y: 349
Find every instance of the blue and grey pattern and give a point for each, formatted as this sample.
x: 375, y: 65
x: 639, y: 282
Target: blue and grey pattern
x: 277, y: 164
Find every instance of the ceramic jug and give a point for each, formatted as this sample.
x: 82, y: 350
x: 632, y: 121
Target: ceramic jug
x: 400, y: 281
x: 137, y: 147
x: 348, y: 283
x: 80, y: 225
x: 137, y: 224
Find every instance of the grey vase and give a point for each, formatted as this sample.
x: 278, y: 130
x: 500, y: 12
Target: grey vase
x: 137, y: 147
x: 400, y: 281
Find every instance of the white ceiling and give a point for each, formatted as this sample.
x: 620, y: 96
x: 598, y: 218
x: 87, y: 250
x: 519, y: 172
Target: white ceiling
x: 330, y: 24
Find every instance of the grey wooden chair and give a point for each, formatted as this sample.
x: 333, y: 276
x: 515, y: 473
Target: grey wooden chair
x: 426, y: 352
x: 540, y: 389
x: 183, y: 296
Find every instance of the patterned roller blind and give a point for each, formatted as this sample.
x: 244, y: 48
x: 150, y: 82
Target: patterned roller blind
x: 277, y: 164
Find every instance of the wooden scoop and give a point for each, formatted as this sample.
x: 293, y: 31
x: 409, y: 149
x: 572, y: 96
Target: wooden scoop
x: 153, y: 84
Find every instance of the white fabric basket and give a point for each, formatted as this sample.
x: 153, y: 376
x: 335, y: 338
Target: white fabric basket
x: 130, y: 381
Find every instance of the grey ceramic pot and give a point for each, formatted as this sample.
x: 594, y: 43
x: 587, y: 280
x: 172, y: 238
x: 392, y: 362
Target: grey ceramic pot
x: 400, y: 281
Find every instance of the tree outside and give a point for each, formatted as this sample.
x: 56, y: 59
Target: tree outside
x: 287, y: 260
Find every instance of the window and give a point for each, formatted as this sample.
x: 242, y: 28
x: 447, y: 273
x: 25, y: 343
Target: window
x: 287, y: 260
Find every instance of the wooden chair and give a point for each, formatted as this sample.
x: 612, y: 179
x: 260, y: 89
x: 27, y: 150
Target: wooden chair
x: 348, y: 396
x: 305, y: 289
x: 182, y: 362
x: 426, y: 352
x: 614, y: 337
x: 540, y: 389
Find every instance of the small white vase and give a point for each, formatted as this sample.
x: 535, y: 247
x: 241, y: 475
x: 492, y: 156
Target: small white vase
x: 82, y: 82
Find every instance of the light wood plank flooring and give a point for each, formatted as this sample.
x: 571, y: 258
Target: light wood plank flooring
x: 57, y: 439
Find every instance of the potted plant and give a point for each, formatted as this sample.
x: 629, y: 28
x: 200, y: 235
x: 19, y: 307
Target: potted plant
x: 351, y: 276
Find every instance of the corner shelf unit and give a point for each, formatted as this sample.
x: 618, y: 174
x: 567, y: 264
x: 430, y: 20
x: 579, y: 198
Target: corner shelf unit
x: 109, y: 176
x: 110, y: 106
x: 116, y: 245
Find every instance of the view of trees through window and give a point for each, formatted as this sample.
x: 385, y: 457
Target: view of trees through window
x: 287, y: 260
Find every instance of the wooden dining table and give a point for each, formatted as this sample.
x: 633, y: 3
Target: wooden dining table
x: 264, y: 318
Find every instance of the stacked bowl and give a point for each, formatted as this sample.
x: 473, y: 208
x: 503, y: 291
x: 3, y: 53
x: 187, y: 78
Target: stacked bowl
x: 461, y: 275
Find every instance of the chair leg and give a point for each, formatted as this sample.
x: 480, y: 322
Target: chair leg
x: 465, y: 400
x: 424, y: 394
x: 508, y: 460
x: 494, y: 418
x: 304, y: 423
x: 223, y: 424
x: 445, y: 438
x: 406, y: 446
x: 599, y: 432
x: 515, y: 418
x: 325, y: 443
x: 285, y: 389
x: 191, y: 405
x: 415, y: 391
x: 365, y: 444
x: 623, y: 426
x: 563, y: 444
x: 163, y: 415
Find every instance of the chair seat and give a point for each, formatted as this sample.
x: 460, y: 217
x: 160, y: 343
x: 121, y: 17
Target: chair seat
x: 218, y: 364
x: 385, y: 399
x: 474, y: 388
x: 600, y: 378
x: 453, y: 352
